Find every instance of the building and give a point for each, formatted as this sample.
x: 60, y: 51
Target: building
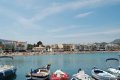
x: 112, y: 47
x: 56, y: 48
x: 67, y: 47
x: 39, y: 49
x: 10, y: 45
x: 48, y: 48
x: 76, y: 47
x: 100, y: 46
x: 60, y: 46
x: 18, y: 45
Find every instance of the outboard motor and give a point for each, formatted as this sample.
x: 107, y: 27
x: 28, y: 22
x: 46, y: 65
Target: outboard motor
x: 48, y: 66
x: 118, y: 67
x: 79, y: 70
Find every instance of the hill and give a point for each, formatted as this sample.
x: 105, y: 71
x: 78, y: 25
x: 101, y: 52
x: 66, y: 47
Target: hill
x: 116, y: 41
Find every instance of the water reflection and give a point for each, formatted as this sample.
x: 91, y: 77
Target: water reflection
x: 12, y: 77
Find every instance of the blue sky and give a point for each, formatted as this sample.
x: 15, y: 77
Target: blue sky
x: 60, y: 21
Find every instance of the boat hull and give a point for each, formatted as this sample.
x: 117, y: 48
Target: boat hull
x: 8, y: 73
x: 114, y: 72
x: 81, y: 75
x: 59, y: 75
x: 39, y: 74
x: 103, y: 76
x: 37, y: 77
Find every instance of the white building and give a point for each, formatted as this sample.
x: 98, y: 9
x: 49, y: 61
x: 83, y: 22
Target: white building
x: 112, y: 47
x: 39, y: 49
x: 16, y: 45
x: 56, y: 48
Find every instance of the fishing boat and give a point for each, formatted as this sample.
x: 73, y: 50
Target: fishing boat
x: 7, y: 70
x: 39, y: 74
x: 59, y: 75
x: 112, y: 70
x: 81, y: 75
x: 102, y: 75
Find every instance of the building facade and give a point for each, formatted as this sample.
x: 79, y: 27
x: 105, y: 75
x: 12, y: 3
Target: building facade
x: 11, y: 45
x: 39, y: 49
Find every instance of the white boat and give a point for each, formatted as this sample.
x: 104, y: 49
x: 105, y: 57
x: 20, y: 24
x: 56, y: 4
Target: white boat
x: 59, y: 75
x: 81, y: 75
x: 39, y: 74
x: 102, y: 75
x: 115, y: 72
x: 7, y: 70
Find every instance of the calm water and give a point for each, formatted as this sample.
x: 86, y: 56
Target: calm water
x: 67, y: 62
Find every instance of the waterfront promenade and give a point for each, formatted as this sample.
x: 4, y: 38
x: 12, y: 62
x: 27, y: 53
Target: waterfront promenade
x: 52, y: 53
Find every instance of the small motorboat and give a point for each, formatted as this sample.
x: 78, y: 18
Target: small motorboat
x: 102, y: 75
x: 39, y: 74
x: 115, y: 72
x: 7, y: 70
x: 81, y: 75
x: 59, y: 75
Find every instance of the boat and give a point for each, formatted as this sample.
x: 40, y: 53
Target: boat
x: 7, y: 70
x: 81, y: 75
x: 112, y: 70
x: 39, y: 74
x: 59, y: 75
x: 102, y: 75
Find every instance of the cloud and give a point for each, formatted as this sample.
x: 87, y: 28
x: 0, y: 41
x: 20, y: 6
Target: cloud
x: 104, y: 33
x: 74, y: 5
x: 83, y: 15
x: 50, y: 10
x: 54, y: 9
x: 17, y: 18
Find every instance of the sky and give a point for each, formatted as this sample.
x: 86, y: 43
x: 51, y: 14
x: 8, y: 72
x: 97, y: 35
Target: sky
x: 60, y: 21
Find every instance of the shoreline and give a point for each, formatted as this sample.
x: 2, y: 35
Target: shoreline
x: 52, y: 53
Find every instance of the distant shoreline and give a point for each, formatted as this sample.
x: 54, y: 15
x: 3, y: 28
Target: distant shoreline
x: 52, y: 53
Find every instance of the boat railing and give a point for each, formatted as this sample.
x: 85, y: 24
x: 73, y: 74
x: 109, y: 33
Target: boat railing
x: 6, y: 57
x: 6, y: 62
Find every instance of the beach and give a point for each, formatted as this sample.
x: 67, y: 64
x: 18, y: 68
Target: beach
x: 52, y: 53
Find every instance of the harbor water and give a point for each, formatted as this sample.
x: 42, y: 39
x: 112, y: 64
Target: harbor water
x: 69, y: 63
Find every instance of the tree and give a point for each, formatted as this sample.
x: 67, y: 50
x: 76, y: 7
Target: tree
x: 30, y: 46
x: 34, y: 45
x: 103, y: 45
x: 116, y: 41
x: 13, y: 48
x: 8, y: 47
x: 1, y: 45
x: 39, y: 43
